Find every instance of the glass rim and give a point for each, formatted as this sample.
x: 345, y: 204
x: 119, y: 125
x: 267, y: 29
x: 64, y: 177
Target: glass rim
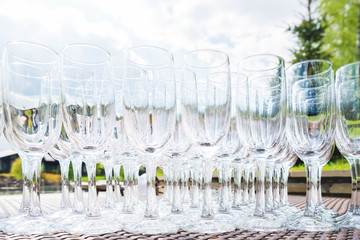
x: 326, y: 84
x: 348, y: 65
x: 6, y: 51
x: 107, y: 54
x: 282, y: 62
x: 29, y: 76
x: 309, y: 61
x: 203, y: 50
x: 149, y: 46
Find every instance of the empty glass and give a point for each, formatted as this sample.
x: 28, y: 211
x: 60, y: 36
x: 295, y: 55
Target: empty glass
x: 311, y: 130
x: 347, y: 133
x: 149, y: 119
x: 89, y: 119
x: 33, y: 118
x: 206, y: 106
x: 261, y: 116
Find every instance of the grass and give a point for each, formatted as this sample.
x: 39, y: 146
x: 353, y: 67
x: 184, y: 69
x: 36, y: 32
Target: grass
x: 85, y: 179
x: 339, y: 164
x: 51, y: 178
x: 7, y: 175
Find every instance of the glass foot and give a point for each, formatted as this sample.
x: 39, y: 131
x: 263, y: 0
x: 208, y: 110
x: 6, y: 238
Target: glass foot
x: 152, y: 226
x: 23, y: 224
x: 326, y: 214
x: 93, y: 226
x: 209, y: 226
x: 127, y: 218
x: 177, y: 218
x: 348, y: 220
x: 59, y: 215
x: 312, y: 224
x: 266, y: 223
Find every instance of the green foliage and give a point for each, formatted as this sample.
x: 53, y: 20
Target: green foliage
x: 71, y: 172
x: 337, y: 162
x: 341, y: 37
x: 16, y: 170
x: 310, y: 33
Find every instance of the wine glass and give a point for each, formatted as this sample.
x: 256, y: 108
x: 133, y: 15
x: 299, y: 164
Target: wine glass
x: 176, y: 150
x: 125, y: 150
x: 149, y: 107
x: 260, y: 123
x: 3, y: 215
x: 61, y: 152
x: 310, y: 130
x: 347, y: 134
x: 32, y: 116
x: 231, y: 155
x: 206, y: 106
x: 89, y: 119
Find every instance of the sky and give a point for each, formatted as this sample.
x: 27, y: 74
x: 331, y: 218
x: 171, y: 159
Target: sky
x: 238, y: 27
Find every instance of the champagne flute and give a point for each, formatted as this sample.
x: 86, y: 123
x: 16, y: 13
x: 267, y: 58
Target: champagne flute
x: 149, y: 119
x: 32, y: 116
x: 261, y: 123
x: 89, y: 118
x: 310, y: 130
x: 206, y: 116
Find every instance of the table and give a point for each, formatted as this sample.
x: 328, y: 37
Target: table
x: 51, y: 202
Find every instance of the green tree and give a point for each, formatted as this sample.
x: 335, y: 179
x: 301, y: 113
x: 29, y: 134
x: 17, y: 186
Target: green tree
x: 342, y: 37
x: 310, y: 33
x: 16, y: 170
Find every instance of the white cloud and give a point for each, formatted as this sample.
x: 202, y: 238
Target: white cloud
x: 239, y: 28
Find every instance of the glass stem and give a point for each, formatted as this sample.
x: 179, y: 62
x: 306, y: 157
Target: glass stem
x: 109, y: 200
x: 26, y: 193
x: 357, y: 198
x: 134, y: 186
x: 117, y: 192
x: 245, y: 187
x: 93, y: 208
x: 269, y: 198
x: 311, y: 189
x: 195, y: 186
x: 35, y: 208
x: 151, y: 210
x: 176, y: 186
x: 185, y: 184
x: 128, y: 207
x: 78, y: 206
x: 319, y: 190
x: 283, y: 186
x: 276, y: 183
x: 65, y: 194
x: 225, y: 203
x: 237, y: 201
x: 260, y: 188
x: 207, y: 210
x: 251, y: 185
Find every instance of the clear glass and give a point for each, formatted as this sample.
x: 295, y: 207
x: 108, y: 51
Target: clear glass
x: 231, y: 152
x: 347, y: 135
x: 124, y: 148
x: 175, y: 152
x: 311, y: 130
x: 149, y: 107
x: 261, y: 108
x: 206, y: 105
x: 32, y: 116
x: 61, y: 152
x: 89, y: 119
